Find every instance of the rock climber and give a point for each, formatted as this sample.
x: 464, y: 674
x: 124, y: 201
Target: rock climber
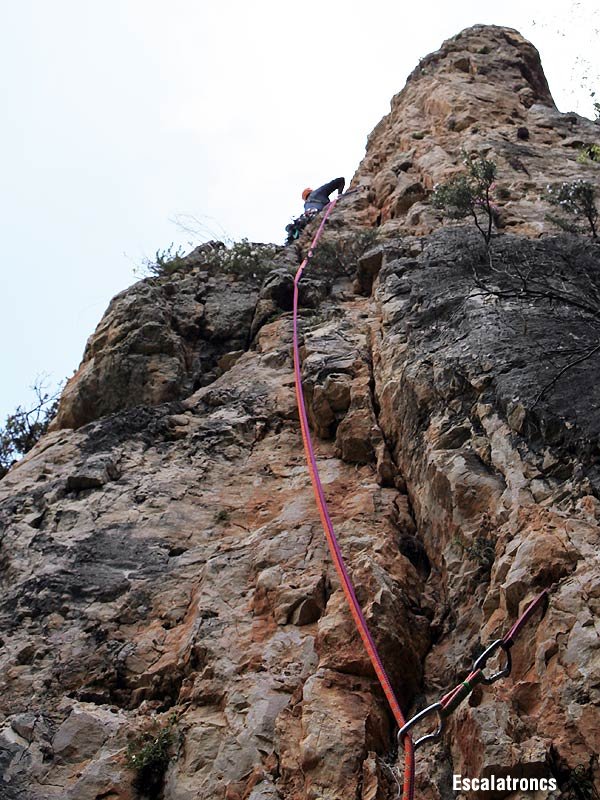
x: 315, y: 200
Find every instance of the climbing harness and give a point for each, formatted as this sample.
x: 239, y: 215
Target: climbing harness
x: 295, y: 228
x: 334, y: 548
x: 453, y: 699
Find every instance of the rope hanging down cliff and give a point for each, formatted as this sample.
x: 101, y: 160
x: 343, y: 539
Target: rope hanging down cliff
x: 453, y: 698
x: 332, y: 542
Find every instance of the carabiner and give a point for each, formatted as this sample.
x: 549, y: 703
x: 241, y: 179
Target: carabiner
x: 485, y: 657
x: 429, y: 737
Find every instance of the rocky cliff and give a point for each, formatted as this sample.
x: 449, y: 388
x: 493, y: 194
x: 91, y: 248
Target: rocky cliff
x: 171, y: 624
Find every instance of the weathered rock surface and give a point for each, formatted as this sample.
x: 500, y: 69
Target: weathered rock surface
x: 483, y: 92
x: 505, y: 503
x: 162, y: 339
x: 162, y: 564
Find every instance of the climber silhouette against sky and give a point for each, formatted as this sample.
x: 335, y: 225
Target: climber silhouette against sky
x: 315, y: 200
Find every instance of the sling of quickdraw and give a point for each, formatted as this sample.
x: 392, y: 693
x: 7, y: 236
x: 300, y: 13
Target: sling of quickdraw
x: 453, y: 699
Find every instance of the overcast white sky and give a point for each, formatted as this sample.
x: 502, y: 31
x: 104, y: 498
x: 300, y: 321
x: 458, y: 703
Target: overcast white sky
x: 121, y: 115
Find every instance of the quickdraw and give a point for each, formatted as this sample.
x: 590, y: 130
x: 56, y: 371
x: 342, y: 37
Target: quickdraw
x: 453, y: 699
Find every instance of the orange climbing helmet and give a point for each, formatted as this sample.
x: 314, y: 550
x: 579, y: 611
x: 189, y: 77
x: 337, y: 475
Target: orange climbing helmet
x: 305, y: 193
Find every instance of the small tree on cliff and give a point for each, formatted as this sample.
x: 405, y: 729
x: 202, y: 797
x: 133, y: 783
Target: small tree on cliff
x: 578, y: 199
x: 23, y: 428
x: 469, y: 194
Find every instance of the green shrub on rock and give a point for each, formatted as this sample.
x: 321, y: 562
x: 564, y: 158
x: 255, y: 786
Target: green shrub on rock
x: 342, y: 252
x: 165, y: 262
x: 578, y: 199
x: 24, y: 428
x: 149, y: 755
x: 469, y: 194
x: 242, y: 258
x: 589, y: 153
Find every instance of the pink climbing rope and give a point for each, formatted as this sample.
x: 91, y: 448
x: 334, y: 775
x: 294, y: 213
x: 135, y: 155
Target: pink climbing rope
x: 336, y: 553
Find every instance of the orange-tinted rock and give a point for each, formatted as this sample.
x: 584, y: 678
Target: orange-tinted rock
x: 164, y: 567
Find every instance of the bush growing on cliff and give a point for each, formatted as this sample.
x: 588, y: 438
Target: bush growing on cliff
x: 243, y: 258
x: 165, y: 262
x: 580, y: 785
x: 342, y: 252
x: 482, y: 547
x: 149, y: 756
x: 578, y: 199
x: 589, y: 152
x: 469, y: 194
x: 482, y: 550
x: 238, y: 258
x: 575, y: 783
x: 23, y: 428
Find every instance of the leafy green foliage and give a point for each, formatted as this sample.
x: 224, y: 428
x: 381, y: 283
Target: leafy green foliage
x: 482, y: 547
x: 482, y: 550
x: 455, y: 197
x: 238, y: 258
x: 342, y: 252
x: 24, y: 428
x: 165, y: 262
x: 149, y: 756
x: 243, y: 258
x: 564, y: 223
x: 589, y: 152
x: 575, y: 783
x: 578, y: 199
x: 469, y: 194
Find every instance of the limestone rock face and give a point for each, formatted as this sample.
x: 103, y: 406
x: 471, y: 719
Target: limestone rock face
x: 483, y: 92
x: 504, y: 503
x: 162, y: 564
x: 158, y: 341
x: 162, y: 339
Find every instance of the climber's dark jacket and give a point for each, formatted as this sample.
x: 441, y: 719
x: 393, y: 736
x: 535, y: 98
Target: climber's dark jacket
x: 319, y: 198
